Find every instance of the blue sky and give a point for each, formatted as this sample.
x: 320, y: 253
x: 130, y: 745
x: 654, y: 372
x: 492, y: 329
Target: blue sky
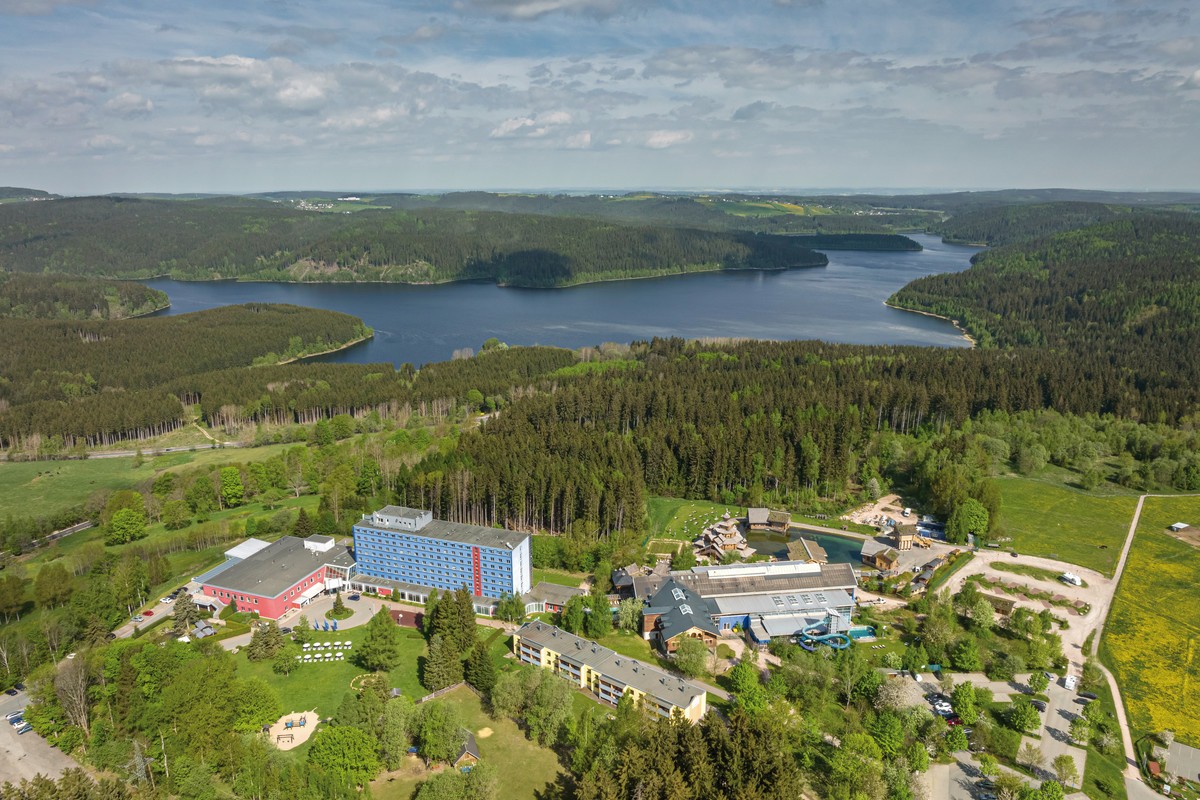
x: 123, y: 95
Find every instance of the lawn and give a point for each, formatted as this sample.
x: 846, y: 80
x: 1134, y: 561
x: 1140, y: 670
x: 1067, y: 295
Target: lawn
x: 572, y: 579
x: 522, y: 768
x: 1152, y: 637
x: 33, y: 488
x: 670, y: 518
x: 1028, y: 570
x: 1046, y: 519
x: 322, y: 686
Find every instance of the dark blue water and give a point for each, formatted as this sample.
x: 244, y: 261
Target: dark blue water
x: 842, y: 302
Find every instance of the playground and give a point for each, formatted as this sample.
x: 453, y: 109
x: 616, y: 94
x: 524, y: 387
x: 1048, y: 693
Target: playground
x: 292, y: 730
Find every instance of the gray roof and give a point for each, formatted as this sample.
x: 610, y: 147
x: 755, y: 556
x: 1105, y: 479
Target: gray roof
x: 789, y: 603
x: 469, y: 747
x: 680, y: 610
x: 403, y: 512
x: 500, y: 538
x: 317, y: 538
x: 554, y: 593
x: 275, y: 569
x: 644, y: 677
x: 756, y: 516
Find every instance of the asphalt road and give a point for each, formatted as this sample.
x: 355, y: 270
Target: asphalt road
x: 22, y: 757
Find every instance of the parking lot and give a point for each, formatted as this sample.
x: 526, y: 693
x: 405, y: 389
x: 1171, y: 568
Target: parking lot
x: 22, y: 757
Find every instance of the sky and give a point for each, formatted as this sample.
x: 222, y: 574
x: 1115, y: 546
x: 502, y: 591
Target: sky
x: 104, y: 96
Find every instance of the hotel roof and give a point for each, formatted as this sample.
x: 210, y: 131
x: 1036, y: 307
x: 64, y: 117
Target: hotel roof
x: 651, y: 680
x: 278, y: 567
x: 499, y: 538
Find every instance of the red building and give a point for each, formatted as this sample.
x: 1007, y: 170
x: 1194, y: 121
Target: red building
x: 284, y: 575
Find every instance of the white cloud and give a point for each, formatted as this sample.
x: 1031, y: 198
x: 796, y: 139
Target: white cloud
x: 579, y: 141
x: 659, y: 140
x: 533, y: 127
x: 130, y: 104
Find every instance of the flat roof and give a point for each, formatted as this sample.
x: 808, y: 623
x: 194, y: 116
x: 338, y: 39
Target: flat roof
x: 246, y: 548
x: 403, y: 512
x: 499, y: 538
x: 644, y: 677
x: 557, y: 594
x: 782, y: 603
x: 273, y: 570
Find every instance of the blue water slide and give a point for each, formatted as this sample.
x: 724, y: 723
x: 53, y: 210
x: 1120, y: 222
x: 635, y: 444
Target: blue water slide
x: 838, y: 641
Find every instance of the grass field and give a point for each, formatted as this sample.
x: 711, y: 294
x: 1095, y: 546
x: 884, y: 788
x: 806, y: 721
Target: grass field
x: 32, y: 488
x: 670, y: 518
x: 1051, y: 520
x: 558, y: 576
x: 1152, y: 637
x: 522, y: 768
x: 322, y: 686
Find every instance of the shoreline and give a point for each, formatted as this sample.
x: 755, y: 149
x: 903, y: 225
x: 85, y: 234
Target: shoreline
x: 954, y: 322
x: 490, y: 281
x: 338, y: 349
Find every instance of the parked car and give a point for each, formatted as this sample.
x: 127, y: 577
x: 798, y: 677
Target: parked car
x: 1089, y: 696
x: 147, y: 613
x: 136, y: 620
x: 985, y: 783
x: 26, y: 728
x: 955, y: 721
x: 168, y: 599
x: 110, y: 636
x: 285, y: 631
x: 354, y: 597
x: 20, y: 687
x: 1038, y: 704
x: 14, y: 715
x: 11, y: 692
x: 17, y: 722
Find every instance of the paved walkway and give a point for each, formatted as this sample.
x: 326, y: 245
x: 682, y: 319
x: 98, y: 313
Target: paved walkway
x: 1132, y: 773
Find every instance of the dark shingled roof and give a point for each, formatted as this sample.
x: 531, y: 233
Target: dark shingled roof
x: 680, y: 610
x: 276, y: 568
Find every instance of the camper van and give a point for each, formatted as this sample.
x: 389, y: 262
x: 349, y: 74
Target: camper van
x: 1071, y: 578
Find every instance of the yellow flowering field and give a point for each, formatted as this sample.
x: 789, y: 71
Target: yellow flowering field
x: 1152, y: 638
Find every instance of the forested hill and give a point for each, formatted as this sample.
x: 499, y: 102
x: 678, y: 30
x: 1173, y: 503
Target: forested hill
x: 1000, y: 225
x: 38, y: 296
x: 116, y: 237
x: 1127, y: 291
x: 19, y: 193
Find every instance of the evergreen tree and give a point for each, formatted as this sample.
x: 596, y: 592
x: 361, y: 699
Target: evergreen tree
x: 442, y: 666
x: 465, y: 633
x: 380, y: 647
x: 481, y: 670
x: 430, y: 615
x: 304, y: 526
x: 339, y: 607
x: 186, y: 614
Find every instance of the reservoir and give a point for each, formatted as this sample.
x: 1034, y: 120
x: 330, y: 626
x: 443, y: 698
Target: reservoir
x: 842, y: 302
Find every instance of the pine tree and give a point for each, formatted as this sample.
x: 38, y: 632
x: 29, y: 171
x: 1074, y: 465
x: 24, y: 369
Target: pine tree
x: 380, y: 648
x: 442, y: 666
x: 304, y: 526
x: 481, y: 670
x: 427, y: 620
x: 339, y: 608
x: 465, y: 608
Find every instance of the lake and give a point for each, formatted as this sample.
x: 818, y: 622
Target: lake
x: 842, y: 302
x: 840, y: 549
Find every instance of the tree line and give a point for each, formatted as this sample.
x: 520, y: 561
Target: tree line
x: 115, y: 237
x: 40, y: 296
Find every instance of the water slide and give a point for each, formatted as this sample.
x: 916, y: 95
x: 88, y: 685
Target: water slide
x: 809, y: 640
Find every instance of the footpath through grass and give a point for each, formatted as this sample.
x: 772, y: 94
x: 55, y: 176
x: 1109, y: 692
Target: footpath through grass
x: 1050, y: 520
x: 1152, y: 637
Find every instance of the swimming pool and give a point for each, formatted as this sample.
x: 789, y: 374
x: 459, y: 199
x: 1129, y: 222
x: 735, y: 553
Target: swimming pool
x: 840, y: 549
